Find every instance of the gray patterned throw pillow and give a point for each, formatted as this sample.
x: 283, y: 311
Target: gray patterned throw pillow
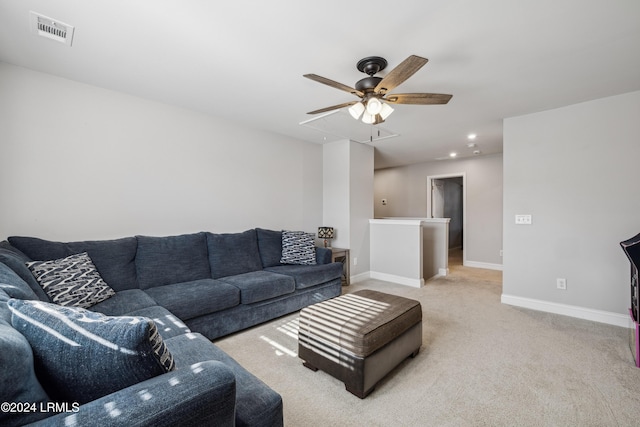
x: 71, y: 281
x: 298, y: 247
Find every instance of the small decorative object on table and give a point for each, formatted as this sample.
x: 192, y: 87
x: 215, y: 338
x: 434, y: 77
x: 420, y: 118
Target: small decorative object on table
x: 325, y: 233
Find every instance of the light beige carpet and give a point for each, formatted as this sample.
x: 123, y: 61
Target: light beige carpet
x: 482, y: 363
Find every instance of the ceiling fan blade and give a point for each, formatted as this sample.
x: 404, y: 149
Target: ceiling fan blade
x: 334, y: 107
x: 418, y: 98
x: 402, y: 72
x: 334, y: 84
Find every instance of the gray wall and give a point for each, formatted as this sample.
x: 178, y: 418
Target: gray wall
x: 575, y: 169
x: 405, y: 189
x: 81, y: 162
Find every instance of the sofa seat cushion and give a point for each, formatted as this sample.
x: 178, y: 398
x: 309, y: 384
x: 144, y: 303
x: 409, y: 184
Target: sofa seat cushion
x: 81, y: 355
x: 310, y: 275
x: 173, y: 259
x: 233, y: 253
x: 261, y: 285
x: 256, y: 403
x: 114, y: 259
x: 168, y: 323
x: 124, y: 302
x: 71, y: 281
x: 192, y: 299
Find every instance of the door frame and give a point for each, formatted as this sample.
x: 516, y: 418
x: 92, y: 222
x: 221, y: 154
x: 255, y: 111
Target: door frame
x: 465, y: 232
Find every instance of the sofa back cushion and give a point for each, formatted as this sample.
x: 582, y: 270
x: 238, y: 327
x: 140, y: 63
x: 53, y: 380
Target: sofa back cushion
x: 173, y: 259
x: 233, y: 253
x: 13, y: 285
x: 114, y: 259
x: 17, y: 261
x: 270, y: 246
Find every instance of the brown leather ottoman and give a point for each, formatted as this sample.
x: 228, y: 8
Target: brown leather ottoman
x: 359, y: 338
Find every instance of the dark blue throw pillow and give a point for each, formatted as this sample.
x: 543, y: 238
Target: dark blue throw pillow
x: 81, y: 355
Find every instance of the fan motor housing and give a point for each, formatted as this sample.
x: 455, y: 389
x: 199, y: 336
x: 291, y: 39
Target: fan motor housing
x: 368, y: 83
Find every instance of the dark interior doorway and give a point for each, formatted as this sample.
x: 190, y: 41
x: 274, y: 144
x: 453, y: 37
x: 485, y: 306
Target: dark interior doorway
x: 447, y: 201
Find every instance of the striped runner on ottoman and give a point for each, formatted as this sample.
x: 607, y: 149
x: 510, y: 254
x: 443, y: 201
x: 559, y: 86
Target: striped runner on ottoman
x: 359, y: 338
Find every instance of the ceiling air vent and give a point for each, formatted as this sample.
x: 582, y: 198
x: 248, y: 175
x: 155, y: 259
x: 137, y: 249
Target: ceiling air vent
x: 51, y: 28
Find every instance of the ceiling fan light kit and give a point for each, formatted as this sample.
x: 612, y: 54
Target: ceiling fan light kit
x: 385, y: 111
x: 374, y: 105
x: 368, y: 118
x: 356, y: 110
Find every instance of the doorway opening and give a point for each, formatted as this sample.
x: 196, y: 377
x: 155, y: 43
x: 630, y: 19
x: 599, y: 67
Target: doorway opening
x: 446, y: 198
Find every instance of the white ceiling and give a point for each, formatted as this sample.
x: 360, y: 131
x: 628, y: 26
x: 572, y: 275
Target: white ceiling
x: 244, y: 60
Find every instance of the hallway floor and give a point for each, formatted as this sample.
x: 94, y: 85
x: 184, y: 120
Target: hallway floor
x: 456, y: 268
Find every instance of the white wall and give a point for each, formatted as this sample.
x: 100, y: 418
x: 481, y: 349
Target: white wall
x: 405, y: 189
x: 81, y: 162
x: 335, y: 208
x: 575, y: 169
x: 348, y: 195
x: 361, y: 202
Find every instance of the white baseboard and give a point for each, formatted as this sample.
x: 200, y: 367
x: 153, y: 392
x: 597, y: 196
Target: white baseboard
x: 416, y: 283
x: 487, y: 265
x: 568, y: 310
x: 359, y: 277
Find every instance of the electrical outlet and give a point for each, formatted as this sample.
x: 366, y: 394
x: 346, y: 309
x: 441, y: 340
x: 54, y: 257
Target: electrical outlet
x: 561, y: 283
x: 501, y: 252
x: 355, y: 261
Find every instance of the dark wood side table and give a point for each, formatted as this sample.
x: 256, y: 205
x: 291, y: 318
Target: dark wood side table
x: 342, y: 255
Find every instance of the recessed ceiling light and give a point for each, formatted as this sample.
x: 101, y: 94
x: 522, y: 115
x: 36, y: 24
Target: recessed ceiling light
x: 453, y: 154
x: 471, y: 136
x: 471, y: 144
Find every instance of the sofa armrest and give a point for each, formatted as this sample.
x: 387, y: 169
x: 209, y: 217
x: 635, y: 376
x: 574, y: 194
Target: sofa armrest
x: 323, y: 255
x: 203, y: 394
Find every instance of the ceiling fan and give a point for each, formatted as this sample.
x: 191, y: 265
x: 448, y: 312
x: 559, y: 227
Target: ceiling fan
x: 373, y: 91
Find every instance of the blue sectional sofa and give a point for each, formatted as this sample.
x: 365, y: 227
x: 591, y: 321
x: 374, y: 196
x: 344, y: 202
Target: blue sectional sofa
x: 195, y: 288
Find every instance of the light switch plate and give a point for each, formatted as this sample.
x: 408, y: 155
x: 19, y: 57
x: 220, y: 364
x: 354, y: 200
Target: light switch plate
x: 523, y: 219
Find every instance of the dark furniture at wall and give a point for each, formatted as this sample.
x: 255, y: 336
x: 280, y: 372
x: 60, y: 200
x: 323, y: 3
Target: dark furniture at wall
x: 631, y: 248
x: 342, y: 255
